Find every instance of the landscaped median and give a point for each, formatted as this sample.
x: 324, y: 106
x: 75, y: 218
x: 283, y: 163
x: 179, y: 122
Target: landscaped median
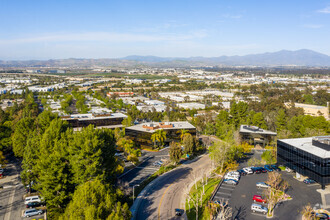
x: 197, y: 199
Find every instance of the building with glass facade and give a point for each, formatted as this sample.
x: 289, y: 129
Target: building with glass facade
x: 307, y: 156
x: 141, y: 133
x: 256, y: 136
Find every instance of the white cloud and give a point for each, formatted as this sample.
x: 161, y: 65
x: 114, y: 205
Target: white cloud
x: 325, y: 10
x: 313, y: 26
x: 232, y: 16
x: 105, y: 37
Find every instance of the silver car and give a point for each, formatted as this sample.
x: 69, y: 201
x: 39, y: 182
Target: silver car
x: 32, y: 212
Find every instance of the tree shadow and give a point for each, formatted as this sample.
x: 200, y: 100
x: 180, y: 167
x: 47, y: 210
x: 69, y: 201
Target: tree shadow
x: 239, y: 213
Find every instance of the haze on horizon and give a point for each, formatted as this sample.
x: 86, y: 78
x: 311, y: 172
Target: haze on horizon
x: 112, y: 29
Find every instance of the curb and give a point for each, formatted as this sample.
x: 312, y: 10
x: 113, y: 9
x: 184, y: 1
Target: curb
x: 134, y: 208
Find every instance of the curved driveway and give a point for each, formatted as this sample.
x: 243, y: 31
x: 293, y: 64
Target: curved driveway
x: 166, y: 192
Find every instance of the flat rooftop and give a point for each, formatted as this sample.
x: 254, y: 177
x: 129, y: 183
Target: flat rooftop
x: 301, y: 105
x: 85, y: 117
x: 255, y: 130
x: 306, y: 144
x: 176, y: 125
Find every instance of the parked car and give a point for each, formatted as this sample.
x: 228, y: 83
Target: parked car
x: 257, y: 198
x: 309, y: 181
x: 248, y: 170
x: 268, y: 168
x: 232, y: 177
x: 256, y: 170
x: 33, y: 204
x: 1, y: 170
x: 179, y: 212
x: 259, y: 208
x: 287, y: 169
x: 32, y: 199
x: 262, y: 185
x: 230, y: 181
x: 242, y: 172
x: 276, y: 168
x: 236, y: 173
x: 32, y: 212
x: 263, y: 170
x: 322, y: 216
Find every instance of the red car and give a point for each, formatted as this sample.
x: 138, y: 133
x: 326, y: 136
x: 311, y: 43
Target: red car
x: 257, y: 198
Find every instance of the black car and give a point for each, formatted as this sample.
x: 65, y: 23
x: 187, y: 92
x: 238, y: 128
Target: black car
x: 263, y: 170
x: 178, y: 212
x: 242, y: 172
x: 33, y: 204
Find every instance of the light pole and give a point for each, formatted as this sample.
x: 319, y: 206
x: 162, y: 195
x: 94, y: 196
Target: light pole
x: 133, y: 190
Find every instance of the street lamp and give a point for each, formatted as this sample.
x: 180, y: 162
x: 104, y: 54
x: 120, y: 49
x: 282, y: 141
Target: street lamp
x: 133, y: 190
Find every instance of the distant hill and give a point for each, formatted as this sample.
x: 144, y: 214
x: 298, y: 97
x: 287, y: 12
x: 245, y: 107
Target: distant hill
x: 281, y: 58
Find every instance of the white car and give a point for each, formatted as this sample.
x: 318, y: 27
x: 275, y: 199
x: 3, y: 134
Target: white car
x: 232, y: 177
x: 287, y: 169
x: 234, y: 173
x: 32, y: 199
x: 262, y: 185
x: 259, y: 208
x: 248, y: 170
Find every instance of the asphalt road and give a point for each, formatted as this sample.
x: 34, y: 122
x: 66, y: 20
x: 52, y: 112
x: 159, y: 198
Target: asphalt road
x: 165, y: 195
x: 11, y: 196
x: 145, y: 169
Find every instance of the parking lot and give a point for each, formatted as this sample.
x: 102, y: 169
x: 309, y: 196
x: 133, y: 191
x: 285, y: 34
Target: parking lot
x: 240, y: 197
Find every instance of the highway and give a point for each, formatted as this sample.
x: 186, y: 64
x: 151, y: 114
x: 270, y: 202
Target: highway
x: 166, y: 193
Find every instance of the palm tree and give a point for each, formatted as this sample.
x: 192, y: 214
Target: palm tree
x: 183, y: 133
x: 154, y: 138
x: 161, y: 134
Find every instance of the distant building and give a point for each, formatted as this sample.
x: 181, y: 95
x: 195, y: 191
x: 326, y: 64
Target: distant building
x: 256, y: 135
x: 191, y: 105
x: 142, y: 133
x: 120, y: 94
x: 111, y: 120
x: 307, y: 156
x: 313, y: 110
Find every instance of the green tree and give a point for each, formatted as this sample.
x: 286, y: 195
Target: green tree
x: 5, y: 137
x: 92, y: 154
x: 20, y: 135
x: 188, y: 144
x: 175, y: 152
x: 159, y: 136
x: 127, y: 121
x: 94, y: 200
x: 182, y: 133
x: 281, y: 120
x: 258, y: 120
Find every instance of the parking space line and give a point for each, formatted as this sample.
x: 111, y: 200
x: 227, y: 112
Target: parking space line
x: 258, y: 214
x: 229, y: 194
x: 226, y: 188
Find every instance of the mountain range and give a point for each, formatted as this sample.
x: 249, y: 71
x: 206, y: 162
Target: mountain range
x: 301, y: 57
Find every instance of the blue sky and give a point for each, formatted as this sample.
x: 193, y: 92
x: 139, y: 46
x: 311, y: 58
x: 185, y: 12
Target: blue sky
x: 51, y: 29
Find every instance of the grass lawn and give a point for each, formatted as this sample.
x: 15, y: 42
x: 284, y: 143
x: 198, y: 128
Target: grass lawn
x: 208, y: 190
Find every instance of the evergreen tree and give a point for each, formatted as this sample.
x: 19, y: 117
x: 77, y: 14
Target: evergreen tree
x: 175, y: 152
x: 94, y: 200
x: 20, y: 135
x: 188, y: 144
